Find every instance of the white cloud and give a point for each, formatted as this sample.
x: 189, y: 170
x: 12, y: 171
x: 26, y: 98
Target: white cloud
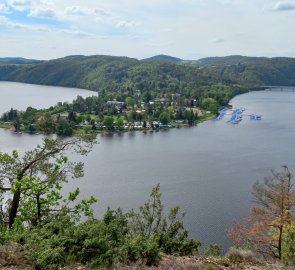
x: 20, y: 4
x: 81, y: 11
x: 92, y: 17
x: 284, y: 6
x: 102, y: 12
x: 43, y: 13
x: 77, y: 10
x: 75, y: 33
x: 3, y: 20
x: 4, y: 8
x: 124, y: 24
x: 22, y: 26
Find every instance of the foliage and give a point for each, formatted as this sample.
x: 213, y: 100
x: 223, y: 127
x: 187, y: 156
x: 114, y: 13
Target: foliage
x: 167, y: 230
x: 209, y: 104
x: 108, y: 122
x: 30, y: 184
x: 54, y: 236
x: 64, y: 128
x: 164, y: 118
x: 236, y: 255
x: 288, y: 249
x: 267, y: 229
x: 213, y: 250
x: 209, y: 267
x: 98, y: 243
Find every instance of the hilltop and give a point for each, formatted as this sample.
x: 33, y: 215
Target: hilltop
x: 18, y: 60
x: 163, y: 58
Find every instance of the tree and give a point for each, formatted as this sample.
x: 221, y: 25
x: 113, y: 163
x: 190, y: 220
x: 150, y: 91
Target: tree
x: 72, y: 116
x: 270, y: 220
x: 129, y: 101
x: 189, y: 116
x: 46, y: 165
x: 108, y: 122
x: 131, y: 115
x: 47, y: 123
x: 167, y: 230
x: 210, y: 104
x: 120, y: 122
x: 63, y: 128
x: 164, y: 118
x: 16, y: 123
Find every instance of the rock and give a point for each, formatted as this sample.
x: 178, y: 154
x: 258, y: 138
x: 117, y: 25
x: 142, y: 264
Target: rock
x: 12, y: 255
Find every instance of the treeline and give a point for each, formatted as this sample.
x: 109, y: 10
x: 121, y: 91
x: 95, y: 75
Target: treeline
x: 94, y: 113
x: 116, y: 75
x: 122, y: 74
x: 118, y: 110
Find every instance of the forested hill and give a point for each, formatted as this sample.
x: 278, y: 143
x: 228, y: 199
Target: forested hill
x: 163, y: 58
x: 18, y: 60
x: 160, y: 74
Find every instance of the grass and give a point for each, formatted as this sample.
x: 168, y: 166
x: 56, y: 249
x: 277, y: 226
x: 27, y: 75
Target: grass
x: 6, y: 126
x: 206, y: 117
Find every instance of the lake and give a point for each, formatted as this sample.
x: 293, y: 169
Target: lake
x: 20, y: 95
x: 208, y: 170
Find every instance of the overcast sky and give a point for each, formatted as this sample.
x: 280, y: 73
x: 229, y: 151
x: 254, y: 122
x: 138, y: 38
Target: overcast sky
x: 189, y: 29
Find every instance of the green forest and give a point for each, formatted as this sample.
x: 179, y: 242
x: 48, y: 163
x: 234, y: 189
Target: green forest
x: 160, y: 91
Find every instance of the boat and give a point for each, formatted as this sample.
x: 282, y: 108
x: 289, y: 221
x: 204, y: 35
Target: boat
x: 255, y: 117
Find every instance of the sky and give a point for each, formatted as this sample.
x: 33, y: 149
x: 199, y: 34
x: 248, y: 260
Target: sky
x: 188, y: 29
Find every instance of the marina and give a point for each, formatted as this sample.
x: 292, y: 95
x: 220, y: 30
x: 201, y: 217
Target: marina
x: 236, y: 115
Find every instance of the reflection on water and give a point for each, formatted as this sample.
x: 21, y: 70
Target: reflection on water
x: 207, y: 170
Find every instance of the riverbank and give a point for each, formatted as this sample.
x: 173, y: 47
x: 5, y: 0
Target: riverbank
x: 6, y: 126
x: 206, y: 116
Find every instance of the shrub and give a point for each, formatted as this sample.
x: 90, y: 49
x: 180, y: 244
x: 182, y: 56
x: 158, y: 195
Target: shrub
x: 48, y: 244
x: 168, y: 230
x: 140, y: 248
x: 288, y: 252
x: 117, y: 238
x: 213, y: 250
x: 209, y: 267
x: 238, y: 255
x: 234, y: 255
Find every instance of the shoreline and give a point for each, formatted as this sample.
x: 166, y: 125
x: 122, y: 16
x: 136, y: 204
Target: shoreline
x: 77, y: 132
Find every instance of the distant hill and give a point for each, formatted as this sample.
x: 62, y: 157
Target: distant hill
x: 18, y: 60
x: 163, y: 58
x: 121, y: 76
x: 228, y: 60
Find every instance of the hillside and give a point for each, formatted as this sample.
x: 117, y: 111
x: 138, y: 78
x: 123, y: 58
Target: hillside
x: 121, y: 76
x: 229, y: 60
x: 18, y: 60
x: 163, y: 58
x: 160, y: 74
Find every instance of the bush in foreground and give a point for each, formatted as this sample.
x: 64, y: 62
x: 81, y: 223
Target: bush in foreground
x: 117, y: 238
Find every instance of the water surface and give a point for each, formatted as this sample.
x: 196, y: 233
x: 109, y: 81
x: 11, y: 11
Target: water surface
x: 21, y: 95
x: 207, y: 170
